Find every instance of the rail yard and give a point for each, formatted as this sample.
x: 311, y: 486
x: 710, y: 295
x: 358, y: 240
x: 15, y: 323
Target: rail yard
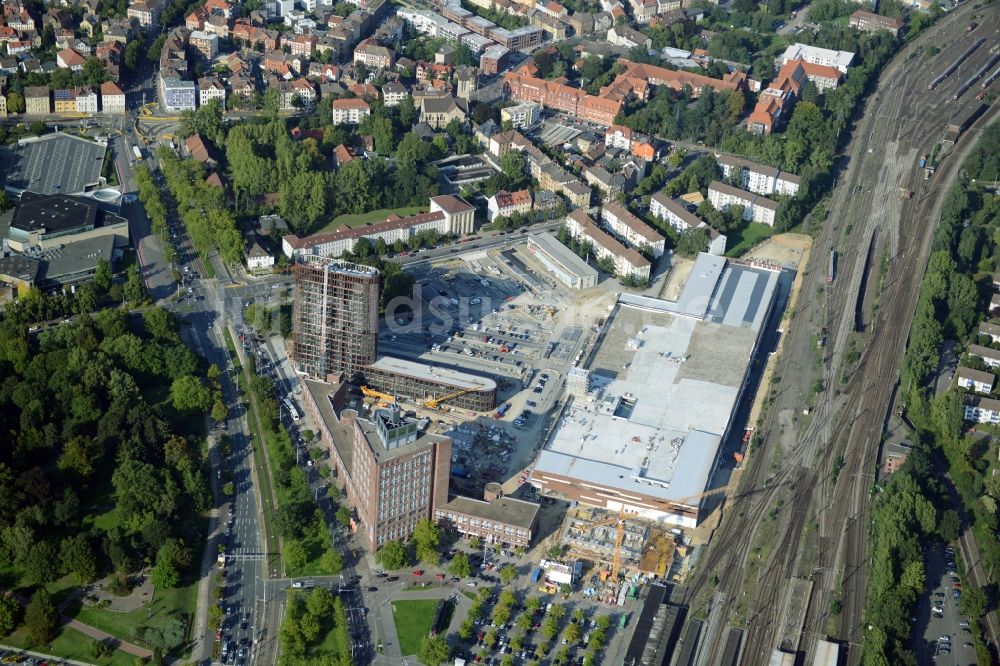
x: 801, y: 509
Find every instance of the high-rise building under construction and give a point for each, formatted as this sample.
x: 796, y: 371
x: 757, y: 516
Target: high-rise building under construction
x: 335, y: 317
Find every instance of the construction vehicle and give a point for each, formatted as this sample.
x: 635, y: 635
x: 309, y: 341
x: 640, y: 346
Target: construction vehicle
x: 434, y: 403
x: 384, y: 398
x: 619, y: 520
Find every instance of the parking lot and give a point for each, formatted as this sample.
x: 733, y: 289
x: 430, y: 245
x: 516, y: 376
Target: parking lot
x: 942, y: 634
x: 496, y: 314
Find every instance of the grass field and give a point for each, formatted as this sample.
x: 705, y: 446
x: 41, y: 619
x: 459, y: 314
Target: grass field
x: 413, y: 622
x: 166, y: 605
x: 356, y: 220
x: 330, y: 647
x: 69, y: 644
x: 741, y: 241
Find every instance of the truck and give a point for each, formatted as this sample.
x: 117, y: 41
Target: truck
x: 536, y: 575
x: 137, y: 153
x: 624, y: 621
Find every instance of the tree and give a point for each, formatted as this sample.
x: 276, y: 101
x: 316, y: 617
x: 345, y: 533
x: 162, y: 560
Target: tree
x: 344, y: 516
x: 10, y: 614
x: 513, y: 167
x: 973, y: 602
x: 460, y: 566
x: 15, y: 102
x: 100, y: 649
x: 295, y: 554
x: 572, y: 633
x: 135, y: 289
x: 77, y: 555
x: 159, y: 322
x: 40, y: 617
x: 508, y: 573
x: 219, y: 409
x: 332, y: 561
x: 392, y: 555
x: 426, y: 537
x: 692, y: 241
x: 433, y: 651
x: 188, y: 394
x: 949, y: 526
x: 103, y: 276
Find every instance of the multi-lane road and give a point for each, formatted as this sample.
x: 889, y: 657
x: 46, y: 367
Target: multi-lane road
x: 809, y: 502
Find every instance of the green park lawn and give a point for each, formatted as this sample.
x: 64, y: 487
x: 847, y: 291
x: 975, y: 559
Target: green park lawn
x: 166, y: 605
x: 413, y: 620
x: 69, y: 644
x: 357, y: 219
x: 740, y: 242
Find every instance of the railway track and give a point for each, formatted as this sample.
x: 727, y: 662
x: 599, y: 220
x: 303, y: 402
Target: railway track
x: 829, y: 475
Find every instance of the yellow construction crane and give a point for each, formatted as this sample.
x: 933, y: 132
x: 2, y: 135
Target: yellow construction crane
x: 434, y: 402
x: 385, y: 398
x: 619, y: 520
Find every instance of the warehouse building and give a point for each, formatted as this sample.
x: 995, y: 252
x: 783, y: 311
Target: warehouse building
x: 666, y: 379
x: 561, y: 262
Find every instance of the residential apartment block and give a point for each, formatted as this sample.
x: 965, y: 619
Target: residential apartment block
x: 146, y: 12
x: 350, y: 111
x: 755, y: 207
x: 990, y: 356
x: 112, y: 98
x: 840, y: 60
x: 631, y: 229
x: 522, y: 116
x: 976, y: 380
x: 505, y: 204
x: 681, y: 219
x: 176, y: 94
x: 981, y: 410
x: 37, y: 100
x: 991, y: 330
x: 758, y: 178
x: 627, y: 262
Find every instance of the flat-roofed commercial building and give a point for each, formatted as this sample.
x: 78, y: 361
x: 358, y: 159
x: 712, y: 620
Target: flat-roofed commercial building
x: 335, y: 316
x: 561, y: 262
x: 411, y: 381
x: 666, y: 378
x: 46, y: 221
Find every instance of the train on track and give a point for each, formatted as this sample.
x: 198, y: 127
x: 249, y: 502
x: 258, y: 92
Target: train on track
x: 958, y: 61
x: 969, y: 82
x: 831, y: 269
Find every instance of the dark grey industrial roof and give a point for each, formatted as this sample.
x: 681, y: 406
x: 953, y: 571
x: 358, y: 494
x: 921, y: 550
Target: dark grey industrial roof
x: 52, y: 163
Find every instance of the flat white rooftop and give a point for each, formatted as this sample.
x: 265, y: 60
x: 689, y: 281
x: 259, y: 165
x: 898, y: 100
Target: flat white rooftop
x: 432, y: 373
x: 667, y: 377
